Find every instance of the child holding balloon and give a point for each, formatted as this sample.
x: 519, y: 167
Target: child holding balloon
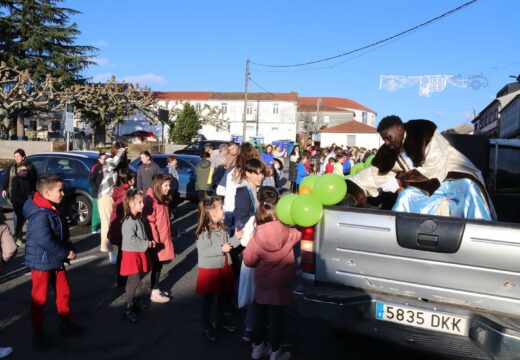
x: 270, y: 252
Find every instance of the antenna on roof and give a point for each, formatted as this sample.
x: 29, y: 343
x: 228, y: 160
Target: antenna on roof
x: 515, y: 77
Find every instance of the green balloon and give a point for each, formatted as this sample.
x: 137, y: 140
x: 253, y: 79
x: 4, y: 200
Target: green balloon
x: 369, y: 161
x: 310, y: 181
x: 330, y: 189
x: 357, y: 168
x: 283, y: 209
x: 306, y: 210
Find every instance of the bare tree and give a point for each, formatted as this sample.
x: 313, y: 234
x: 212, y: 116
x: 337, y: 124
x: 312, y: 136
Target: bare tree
x: 104, y: 105
x: 20, y: 96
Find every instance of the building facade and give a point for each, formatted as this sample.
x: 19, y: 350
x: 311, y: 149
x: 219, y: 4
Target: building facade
x: 269, y: 117
x: 487, y: 122
x: 332, y: 111
x: 510, y: 119
x: 351, y: 133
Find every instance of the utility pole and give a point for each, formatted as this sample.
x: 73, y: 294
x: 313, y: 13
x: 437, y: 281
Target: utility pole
x: 245, y: 102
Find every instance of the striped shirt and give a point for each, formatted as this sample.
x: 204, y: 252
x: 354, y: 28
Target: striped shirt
x: 109, y: 173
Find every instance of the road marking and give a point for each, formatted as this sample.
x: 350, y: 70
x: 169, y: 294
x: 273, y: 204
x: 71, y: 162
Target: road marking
x: 185, y: 215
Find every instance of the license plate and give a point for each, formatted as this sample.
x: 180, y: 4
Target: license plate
x: 431, y: 320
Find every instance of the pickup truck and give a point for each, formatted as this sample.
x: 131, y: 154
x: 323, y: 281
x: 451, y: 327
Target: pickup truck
x: 445, y: 285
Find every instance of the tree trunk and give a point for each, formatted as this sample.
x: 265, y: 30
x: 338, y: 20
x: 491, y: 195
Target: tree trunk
x: 99, y: 136
x: 20, y: 129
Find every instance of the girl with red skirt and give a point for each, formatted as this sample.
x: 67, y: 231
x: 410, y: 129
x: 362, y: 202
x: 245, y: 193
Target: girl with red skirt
x: 215, y: 280
x: 135, y: 243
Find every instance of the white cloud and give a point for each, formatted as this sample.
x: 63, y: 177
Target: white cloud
x: 144, y: 79
x: 101, y: 44
x: 101, y: 61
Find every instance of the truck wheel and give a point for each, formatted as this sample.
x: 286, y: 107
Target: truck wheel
x: 81, y: 210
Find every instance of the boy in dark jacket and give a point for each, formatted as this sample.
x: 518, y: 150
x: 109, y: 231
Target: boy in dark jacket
x: 48, y: 247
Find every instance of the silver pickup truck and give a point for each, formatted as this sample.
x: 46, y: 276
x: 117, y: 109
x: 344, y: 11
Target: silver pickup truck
x: 445, y: 285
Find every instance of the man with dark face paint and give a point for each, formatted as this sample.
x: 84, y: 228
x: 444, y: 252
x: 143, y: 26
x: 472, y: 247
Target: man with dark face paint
x: 435, y: 177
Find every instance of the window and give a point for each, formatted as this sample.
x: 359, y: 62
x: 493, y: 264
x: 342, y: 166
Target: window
x: 274, y: 129
x: 364, y: 117
x: 275, y: 109
x: 33, y: 124
x: 326, y: 119
x: 56, y: 126
x: 38, y: 163
x: 198, y: 106
x: 223, y: 107
x: 351, y: 140
x: 249, y: 110
x: 59, y: 166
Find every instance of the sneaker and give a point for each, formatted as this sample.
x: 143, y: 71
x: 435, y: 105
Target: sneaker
x: 112, y: 257
x: 157, y: 297
x: 20, y: 243
x: 209, y: 333
x: 5, y: 352
x: 260, y: 351
x: 280, y: 355
x: 40, y: 342
x: 130, y: 314
x: 72, y: 329
x: 247, y: 336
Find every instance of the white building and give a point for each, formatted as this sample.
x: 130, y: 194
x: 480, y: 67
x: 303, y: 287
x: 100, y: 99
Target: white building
x: 331, y: 111
x: 351, y: 133
x: 268, y: 116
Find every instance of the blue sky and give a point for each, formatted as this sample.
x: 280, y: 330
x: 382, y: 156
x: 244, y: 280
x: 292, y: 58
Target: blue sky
x: 201, y: 45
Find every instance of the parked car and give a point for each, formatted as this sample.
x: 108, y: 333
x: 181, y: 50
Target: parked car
x: 197, y: 147
x: 74, y: 168
x: 440, y: 284
x: 185, y: 167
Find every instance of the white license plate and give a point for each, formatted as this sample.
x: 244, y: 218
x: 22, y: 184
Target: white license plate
x: 431, y: 320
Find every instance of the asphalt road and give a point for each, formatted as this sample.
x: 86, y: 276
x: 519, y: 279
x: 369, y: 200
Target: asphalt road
x: 163, y: 330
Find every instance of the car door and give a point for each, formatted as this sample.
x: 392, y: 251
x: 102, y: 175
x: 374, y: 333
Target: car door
x: 186, y: 177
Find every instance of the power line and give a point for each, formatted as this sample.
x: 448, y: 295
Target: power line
x: 426, y: 23
x: 266, y: 91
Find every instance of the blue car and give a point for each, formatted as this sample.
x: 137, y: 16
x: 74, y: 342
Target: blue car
x: 74, y: 168
x: 185, y: 167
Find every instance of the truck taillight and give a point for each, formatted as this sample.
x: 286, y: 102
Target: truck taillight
x: 307, y: 250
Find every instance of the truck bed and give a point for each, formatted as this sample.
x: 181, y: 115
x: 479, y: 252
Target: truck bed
x: 474, y: 264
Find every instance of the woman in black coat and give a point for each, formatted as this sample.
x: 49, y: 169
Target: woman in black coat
x: 293, y: 163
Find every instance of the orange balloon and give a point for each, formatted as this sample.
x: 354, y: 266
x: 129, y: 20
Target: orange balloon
x: 305, y: 190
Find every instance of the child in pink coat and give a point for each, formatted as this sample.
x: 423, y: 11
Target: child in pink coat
x: 270, y: 252
x: 157, y: 214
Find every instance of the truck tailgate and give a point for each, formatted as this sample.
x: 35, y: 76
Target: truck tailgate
x: 468, y: 263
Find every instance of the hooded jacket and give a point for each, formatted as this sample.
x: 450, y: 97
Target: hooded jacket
x: 270, y: 252
x: 202, y: 174
x: 158, y: 218
x: 7, y: 245
x: 47, y: 241
x: 117, y: 215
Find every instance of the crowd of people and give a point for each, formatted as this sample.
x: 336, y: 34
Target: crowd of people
x: 133, y: 213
